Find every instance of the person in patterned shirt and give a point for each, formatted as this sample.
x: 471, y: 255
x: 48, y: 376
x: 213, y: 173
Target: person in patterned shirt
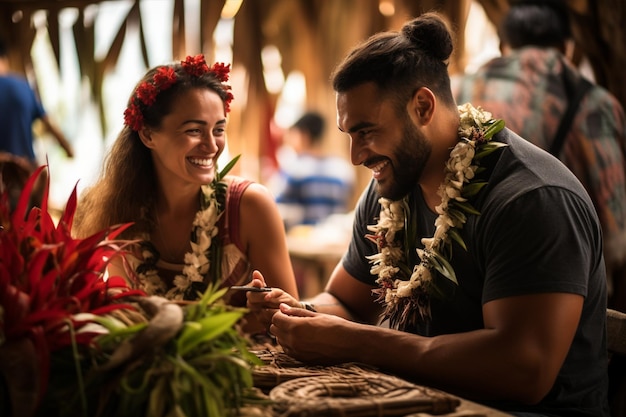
x: 530, y: 86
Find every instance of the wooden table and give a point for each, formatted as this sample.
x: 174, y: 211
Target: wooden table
x: 472, y: 409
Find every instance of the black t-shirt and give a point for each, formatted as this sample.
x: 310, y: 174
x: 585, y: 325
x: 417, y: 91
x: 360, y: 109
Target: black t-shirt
x: 537, y: 232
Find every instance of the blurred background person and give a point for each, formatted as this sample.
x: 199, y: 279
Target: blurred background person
x: 544, y: 98
x: 314, y: 193
x: 312, y: 184
x: 19, y: 109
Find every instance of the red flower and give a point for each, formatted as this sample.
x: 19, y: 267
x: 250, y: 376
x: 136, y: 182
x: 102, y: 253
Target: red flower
x: 146, y: 93
x: 221, y: 71
x: 195, y: 66
x: 164, y: 78
x: 47, y: 276
x: 229, y: 98
x: 133, y: 117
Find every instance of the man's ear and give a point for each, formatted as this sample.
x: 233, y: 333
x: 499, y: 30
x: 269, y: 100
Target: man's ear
x: 145, y: 134
x: 422, y: 106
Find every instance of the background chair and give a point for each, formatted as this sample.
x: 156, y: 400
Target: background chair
x: 616, y: 345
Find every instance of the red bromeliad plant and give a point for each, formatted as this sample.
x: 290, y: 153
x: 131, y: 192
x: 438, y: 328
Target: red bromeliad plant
x: 47, y: 278
x: 75, y: 343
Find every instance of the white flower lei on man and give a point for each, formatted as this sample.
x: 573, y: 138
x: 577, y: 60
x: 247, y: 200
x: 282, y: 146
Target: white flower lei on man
x: 408, y: 300
x: 205, y: 249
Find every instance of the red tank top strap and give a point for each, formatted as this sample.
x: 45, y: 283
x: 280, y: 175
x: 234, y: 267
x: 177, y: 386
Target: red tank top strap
x: 229, y: 223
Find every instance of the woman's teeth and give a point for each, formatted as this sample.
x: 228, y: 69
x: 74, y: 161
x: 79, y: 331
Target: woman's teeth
x: 202, y: 162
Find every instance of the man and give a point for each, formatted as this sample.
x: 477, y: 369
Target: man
x: 314, y: 184
x: 19, y: 108
x: 506, y: 303
x: 531, y: 86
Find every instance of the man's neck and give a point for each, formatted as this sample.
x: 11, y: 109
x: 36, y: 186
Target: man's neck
x: 444, y: 136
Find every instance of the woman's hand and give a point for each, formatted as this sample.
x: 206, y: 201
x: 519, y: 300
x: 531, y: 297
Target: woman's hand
x: 265, y: 304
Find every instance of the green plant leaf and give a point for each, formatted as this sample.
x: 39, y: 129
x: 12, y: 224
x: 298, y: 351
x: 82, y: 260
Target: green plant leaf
x: 457, y: 215
x: 210, y: 297
x: 487, y: 148
x: 494, y: 127
x: 442, y: 265
x: 465, y: 207
x: 456, y: 236
x: 158, y: 397
x: 227, y: 168
x: 210, y: 328
x: 473, y: 188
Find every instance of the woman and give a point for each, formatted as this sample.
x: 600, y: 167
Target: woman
x: 161, y: 174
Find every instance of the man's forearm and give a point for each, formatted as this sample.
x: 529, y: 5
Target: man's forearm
x: 329, y: 304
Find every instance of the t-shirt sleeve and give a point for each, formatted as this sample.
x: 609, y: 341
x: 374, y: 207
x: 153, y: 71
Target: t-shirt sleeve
x: 36, y: 105
x: 525, y: 257
x: 366, y: 213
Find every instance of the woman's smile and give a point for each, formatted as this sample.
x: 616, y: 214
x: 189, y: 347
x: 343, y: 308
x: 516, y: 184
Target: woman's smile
x: 201, y: 162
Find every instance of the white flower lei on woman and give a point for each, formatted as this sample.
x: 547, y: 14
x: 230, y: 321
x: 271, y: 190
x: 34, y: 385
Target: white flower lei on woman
x: 408, y: 300
x: 204, y: 250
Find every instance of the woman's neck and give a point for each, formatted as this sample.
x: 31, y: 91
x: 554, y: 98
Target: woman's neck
x: 175, y: 212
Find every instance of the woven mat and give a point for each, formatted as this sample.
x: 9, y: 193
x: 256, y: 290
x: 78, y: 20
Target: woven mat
x: 344, y: 390
x: 280, y: 367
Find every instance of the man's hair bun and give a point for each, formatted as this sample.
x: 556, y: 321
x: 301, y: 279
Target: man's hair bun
x: 430, y: 34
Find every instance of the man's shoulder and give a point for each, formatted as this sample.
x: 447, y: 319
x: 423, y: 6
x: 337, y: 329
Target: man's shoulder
x: 523, y: 155
x: 16, y: 96
x: 524, y: 167
x: 15, y: 81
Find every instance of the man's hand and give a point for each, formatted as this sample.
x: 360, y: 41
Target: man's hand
x: 308, y: 336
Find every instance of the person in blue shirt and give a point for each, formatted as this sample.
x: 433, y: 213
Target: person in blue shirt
x: 19, y: 109
x: 314, y: 184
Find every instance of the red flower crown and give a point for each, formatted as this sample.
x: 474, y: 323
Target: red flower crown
x: 164, y: 78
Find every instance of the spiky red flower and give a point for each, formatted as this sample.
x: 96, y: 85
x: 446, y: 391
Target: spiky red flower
x: 47, y: 277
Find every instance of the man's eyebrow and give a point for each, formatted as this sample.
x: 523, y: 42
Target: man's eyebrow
x: 358, y: 127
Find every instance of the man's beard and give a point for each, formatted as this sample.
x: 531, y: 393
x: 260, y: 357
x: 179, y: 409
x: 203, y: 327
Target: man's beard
x: 408, y: 161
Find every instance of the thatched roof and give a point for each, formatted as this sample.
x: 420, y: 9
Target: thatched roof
x: 311, y: 35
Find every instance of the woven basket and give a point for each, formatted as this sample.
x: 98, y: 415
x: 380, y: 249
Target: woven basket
x: 349, y: 389
x: 369, y: 394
